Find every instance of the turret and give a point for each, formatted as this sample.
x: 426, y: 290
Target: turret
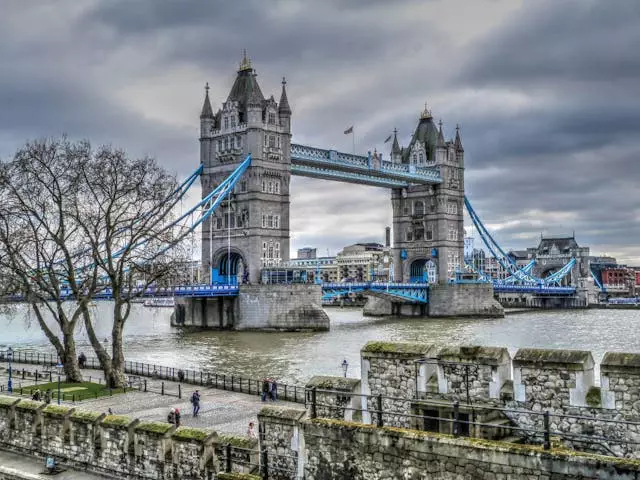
x: 458, y: 145
x: 207, y: 125
x: 441, y: 146
x: 396, y: 152
x: 284, y: 110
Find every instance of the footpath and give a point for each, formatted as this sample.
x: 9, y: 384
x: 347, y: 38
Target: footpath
x: 19, y: 466
x: 224, y: 411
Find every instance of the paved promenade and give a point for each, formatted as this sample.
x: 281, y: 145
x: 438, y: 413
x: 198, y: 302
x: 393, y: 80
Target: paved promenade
x: 14, y: 465
x: 221, y: 410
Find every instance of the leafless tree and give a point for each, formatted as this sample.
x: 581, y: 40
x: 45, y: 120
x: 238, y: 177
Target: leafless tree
x: 128, y: 221
x: 75, y: 222
x: 41, y: 244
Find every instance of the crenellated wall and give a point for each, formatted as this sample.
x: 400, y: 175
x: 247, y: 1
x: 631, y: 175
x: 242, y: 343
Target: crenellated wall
x: 120, y: 446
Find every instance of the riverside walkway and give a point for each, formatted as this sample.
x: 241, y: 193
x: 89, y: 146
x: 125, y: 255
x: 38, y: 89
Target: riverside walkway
x: 225, y: 411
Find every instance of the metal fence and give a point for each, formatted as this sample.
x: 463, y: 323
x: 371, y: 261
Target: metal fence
x: 222, y: 381
x: 463, y: 420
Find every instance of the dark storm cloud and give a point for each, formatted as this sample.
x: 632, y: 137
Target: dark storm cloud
x: 548, y: 96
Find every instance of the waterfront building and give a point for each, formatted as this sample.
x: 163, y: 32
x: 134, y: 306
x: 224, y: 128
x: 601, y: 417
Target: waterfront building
x: 307, y: 252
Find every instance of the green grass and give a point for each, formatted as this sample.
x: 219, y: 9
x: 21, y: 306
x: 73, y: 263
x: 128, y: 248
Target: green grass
x: 72, y: 391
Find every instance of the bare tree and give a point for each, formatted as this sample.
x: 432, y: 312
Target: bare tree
x: 41, y: 244
x: 128, y: 223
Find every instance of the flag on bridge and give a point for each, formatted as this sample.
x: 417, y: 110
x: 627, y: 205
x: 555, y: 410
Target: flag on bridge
x: 388, y: 138
x: 349, y: 130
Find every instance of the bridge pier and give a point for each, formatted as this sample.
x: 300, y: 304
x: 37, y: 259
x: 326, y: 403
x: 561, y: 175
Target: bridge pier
x: 257, y: 307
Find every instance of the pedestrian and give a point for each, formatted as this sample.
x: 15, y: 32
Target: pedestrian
x: 251, y: 433
x: 36, y: 395
x: 180, y: 376
x: 265, y: 389
x: 109, y: 411
x: 171, y: 418
x: 274, y: 390
x: 177, y: 417
x: 47, y: 396
x: 195, y: 401
x: 82, y: 359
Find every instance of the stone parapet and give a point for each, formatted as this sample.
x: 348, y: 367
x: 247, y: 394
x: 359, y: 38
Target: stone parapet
x: 280, y: 438
x: 334, y: 397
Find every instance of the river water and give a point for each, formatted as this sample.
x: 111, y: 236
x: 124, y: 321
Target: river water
x: 295, y: 357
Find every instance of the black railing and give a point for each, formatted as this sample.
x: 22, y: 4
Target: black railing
x: 539, y: 429
x: 223, y: 381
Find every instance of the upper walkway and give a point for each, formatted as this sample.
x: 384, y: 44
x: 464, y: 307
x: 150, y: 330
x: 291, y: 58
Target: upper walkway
x: 345, y: 167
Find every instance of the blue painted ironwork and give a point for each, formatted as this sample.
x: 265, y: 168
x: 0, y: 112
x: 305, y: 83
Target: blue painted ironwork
x: 343, y: 165
x: 341, y: 176
x: 534, y: 289
x: 409, y: 292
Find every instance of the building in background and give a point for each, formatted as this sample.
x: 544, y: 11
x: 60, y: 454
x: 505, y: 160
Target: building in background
x: 306, y: 253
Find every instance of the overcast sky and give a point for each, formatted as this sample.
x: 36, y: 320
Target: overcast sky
x: 547, y: 93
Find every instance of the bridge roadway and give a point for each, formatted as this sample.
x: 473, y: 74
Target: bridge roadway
x: 409, y: 292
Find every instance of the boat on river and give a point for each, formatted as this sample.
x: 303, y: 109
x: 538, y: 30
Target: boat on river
x: 161, y: 302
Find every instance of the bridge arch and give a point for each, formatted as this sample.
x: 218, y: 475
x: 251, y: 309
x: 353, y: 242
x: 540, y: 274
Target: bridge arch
x: 423, y: 270
x: 228, y: 265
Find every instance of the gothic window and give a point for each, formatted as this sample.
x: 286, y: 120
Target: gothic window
x: 264, y: 186
x: 219, y: 146
x: 276, y: 186
x: 218, y: 223
x: 276, y: 221
x: 421, y: 157
x: 419, y: 233
x: 452, y: 208
x: 264, y: 221
x: 269, y: 221
x: 239, y: 223
x: 418, y: 208
x: 414, y: 158
x: 452, y: 232
x: 226, y: 143
x: 272, y: 141
x: 269, y: 187
x: 226, y: 122
x: 243, y: 186
x: 429, y: 234
x: 409, y: 236
x: 233, y: 121
x: 277, y: 250
x: 278, y: 141
x: 272, y: 118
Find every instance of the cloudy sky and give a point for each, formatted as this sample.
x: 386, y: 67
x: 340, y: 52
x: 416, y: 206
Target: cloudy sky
x: 547, y: 94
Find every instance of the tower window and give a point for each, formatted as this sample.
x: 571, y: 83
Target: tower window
x: 226, y: 122
x: 452, y: 232
x: 272, y: 118
x: 272, y: 141
x: 233, y: 121
x: 243, y: 186
x: 276, y: 187
x: 418, y: 208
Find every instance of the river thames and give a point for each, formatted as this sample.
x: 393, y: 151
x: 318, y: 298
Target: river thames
x: 295, y: 357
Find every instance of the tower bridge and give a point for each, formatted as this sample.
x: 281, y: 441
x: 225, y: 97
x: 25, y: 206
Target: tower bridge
x: 249, y: 230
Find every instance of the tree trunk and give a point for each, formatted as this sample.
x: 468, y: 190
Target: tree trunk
x: 117, y: 377
x: 70, y: 360
x: 101, y: 352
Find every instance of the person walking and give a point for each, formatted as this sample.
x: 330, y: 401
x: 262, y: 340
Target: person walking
x: 274, y: 390
x: 180, y: 376
x: 171, y: 418
x: 177, y: 417
x: 265, y: 389
x: 195, y: 401
x: 82, y: 360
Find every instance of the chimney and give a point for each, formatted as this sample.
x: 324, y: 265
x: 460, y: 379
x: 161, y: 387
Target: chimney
x: 387, y: 237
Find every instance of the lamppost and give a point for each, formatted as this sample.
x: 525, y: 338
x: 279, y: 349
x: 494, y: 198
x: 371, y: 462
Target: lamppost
x: 9, y: 358
x: 345, y: 367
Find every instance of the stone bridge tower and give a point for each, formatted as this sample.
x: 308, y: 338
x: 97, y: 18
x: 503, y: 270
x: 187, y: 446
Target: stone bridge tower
x: 251, y: 229
x: 428, y: 221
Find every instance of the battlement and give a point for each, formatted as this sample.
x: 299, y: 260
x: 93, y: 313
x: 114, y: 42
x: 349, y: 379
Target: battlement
x: 118, y: 445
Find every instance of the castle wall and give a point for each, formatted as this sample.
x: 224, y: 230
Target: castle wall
x: 463, y: 299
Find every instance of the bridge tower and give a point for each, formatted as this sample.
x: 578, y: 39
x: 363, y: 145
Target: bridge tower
x: 428, y: 222
x: 251, y: 229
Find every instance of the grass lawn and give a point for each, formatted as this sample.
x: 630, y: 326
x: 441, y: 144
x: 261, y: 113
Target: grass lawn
x: 72, y: 391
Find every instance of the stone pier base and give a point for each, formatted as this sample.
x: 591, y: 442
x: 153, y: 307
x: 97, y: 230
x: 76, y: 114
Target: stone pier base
x: 463, y: 300
x: 257, y: 307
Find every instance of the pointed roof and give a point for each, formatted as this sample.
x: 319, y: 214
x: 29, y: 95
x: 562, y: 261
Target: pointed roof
x: 207, y: 111
x: 245, y: 89
x: 427, y: 133
x: 458, y: 142
x: 395, y: 148
x: 283, y: 107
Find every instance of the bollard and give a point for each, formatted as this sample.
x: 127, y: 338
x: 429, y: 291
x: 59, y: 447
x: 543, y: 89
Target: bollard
x: 228, y: 457
x: 51, y: 377
x: 36, y: 377
x: 145, y: 384
x: 224, y: 381
x: 456, y: 417
x: 23, y: 373
x: 232, y: 388
x: 179, y: 390
x: 379, y: 407
x: 73, y: 398
x: 201, y: 383
x: 295, y: 393
x: 547, y: 431
x: 162, y: 389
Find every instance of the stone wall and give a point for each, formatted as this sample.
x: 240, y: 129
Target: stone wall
x: 327, y: 449
x: 462, y: 300
x: 281, y: 307
x: 561, y: 382
x: 257, y: 307
x: 119, y: 446
x: 334, y: 397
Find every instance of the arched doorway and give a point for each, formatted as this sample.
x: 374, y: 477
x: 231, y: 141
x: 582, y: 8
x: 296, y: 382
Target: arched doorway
x: 423, y: 271
x: 228, y: 267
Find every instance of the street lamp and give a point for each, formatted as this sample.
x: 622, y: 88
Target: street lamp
x: 9, y: 358
x: 345, y: 367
